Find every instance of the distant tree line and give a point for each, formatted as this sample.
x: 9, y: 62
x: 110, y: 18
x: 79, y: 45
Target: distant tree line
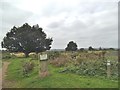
x: 72, y: 46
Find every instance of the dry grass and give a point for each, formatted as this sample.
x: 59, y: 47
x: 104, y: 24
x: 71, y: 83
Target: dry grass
x: 60, y: 61
x: 19, y: 54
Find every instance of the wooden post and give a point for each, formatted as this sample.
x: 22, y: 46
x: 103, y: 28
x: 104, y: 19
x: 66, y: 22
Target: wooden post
x: 43, y: 70
x: 108, y: 69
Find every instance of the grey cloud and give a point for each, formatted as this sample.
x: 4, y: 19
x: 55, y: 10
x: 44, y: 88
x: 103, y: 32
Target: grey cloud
x: 56, y: 24
x: 54, y: 9
x: 100, y: 30
x: 69, y: 27
x: 11, y: 16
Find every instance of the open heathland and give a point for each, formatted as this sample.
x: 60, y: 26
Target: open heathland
x: 66, y: 70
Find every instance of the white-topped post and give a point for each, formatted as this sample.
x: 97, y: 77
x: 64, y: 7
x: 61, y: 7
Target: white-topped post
x: 108, y: 69
x: 43, y: 57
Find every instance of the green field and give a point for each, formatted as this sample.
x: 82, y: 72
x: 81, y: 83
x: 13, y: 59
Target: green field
x: 15, y: 79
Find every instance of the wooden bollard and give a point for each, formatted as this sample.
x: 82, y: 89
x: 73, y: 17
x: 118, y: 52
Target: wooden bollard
x: 108, y: 69
x: 43, y: 70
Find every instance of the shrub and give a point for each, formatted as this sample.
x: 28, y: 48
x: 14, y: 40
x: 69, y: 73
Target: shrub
x: 27, y: 67
x: 33, y: 56
x: 53, y: 54
x: 17, y: 54
x: 6, y: 55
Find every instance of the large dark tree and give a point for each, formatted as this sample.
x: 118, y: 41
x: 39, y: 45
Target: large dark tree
x: 26, y: 39
x: 71, y: 46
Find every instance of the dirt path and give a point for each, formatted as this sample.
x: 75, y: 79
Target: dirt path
x: 0, y: 78
x: 3, y: 71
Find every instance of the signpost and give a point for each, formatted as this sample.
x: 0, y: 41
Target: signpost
x: 43, y: 72
x: 108, y: 69
x: 43, y: 57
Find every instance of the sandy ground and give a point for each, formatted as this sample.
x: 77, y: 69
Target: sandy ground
x: 2, y: 73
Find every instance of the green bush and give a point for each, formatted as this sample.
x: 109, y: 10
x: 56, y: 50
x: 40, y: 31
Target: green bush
x: 6, y: 55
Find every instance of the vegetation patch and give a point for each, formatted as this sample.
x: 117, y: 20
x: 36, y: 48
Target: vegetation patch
x: 55, y: 80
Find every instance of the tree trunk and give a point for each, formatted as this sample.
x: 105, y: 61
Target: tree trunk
x: 26, y: 54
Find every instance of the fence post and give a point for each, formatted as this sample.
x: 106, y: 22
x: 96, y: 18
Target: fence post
x: 43, y: 64
x: 108, y: 69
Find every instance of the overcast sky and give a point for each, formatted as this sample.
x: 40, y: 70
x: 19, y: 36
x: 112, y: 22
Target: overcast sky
x: 86, y: 22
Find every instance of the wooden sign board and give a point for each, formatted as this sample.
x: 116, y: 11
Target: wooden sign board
x: 108, y: 63
x: 43, y: 57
